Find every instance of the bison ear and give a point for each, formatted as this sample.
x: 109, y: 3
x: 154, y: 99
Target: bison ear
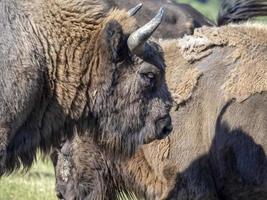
x: 113, y: 41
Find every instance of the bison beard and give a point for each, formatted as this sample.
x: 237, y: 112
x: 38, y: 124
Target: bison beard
x: 68, y: 66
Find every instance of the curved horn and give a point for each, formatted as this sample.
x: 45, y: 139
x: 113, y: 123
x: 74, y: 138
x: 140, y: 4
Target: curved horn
x: 141, y: 35
x: 134, y: 10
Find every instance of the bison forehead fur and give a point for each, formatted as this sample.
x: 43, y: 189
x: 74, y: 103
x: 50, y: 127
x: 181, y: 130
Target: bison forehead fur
x: 66, y: 66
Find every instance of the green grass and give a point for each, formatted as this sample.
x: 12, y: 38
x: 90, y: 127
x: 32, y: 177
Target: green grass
x: 209, y: 9
x: 36, y: 184
x: 262, y: 19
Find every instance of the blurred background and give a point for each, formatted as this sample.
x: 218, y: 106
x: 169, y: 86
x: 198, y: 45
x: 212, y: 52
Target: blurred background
x: 39, y: 182
x: 206, y: 7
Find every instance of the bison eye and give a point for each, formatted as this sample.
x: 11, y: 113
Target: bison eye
x: 148, y: 79
x: 150, y: 75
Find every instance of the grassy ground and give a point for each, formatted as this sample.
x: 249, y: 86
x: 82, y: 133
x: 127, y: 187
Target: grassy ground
x: 37, y: 184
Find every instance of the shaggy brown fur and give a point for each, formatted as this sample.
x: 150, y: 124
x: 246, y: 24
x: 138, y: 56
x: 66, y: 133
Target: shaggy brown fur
x: 251, y: 78
x: 97, y: 177
x: 217, y: 148
x: 181, y: 87
x: 65, y: 65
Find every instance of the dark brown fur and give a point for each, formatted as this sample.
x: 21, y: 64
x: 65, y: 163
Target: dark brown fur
x: 65, y: 66
x: 218, y: 147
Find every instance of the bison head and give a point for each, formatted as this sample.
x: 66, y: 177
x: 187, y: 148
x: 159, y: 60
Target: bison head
x: 129, y: 100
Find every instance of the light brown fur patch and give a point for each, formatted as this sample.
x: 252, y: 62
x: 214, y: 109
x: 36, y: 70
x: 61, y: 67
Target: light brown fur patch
x: 194, y: 48
x: 181, y: 76
x: 152, y: 170
x: 249, y: 73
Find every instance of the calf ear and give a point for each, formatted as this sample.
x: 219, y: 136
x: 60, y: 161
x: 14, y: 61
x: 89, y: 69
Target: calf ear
x: 113, y: 41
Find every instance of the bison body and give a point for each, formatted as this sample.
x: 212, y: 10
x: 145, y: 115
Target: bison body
x: 70, y: 65
x: 217, y: 77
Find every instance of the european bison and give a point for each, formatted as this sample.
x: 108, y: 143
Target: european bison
x: 218, y: 79
x: 74, y: 65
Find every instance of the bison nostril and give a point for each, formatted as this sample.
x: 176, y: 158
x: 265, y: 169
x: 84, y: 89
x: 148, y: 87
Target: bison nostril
x: 59, y: 195
x: 148, y: 79
x: 168, y: 128
x: 165, y: 127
